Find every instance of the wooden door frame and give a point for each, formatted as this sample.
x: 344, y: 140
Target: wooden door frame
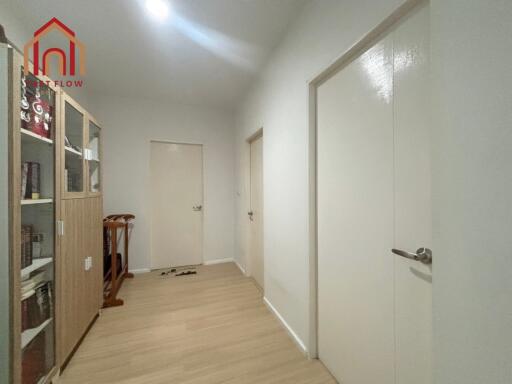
x: 166, y: 141
x: 248, y: 141
x: 356, y: 50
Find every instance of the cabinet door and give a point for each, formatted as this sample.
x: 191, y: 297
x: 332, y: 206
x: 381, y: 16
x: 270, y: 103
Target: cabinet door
x: 34, y: 202
x: 81, y: 270
x: 94, y: 182
x: 94, y: 276
x: 73, y: 143
x: 72, y: 274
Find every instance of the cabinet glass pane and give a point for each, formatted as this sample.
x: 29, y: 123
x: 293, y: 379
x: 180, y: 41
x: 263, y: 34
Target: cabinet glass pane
x: 73, y: 149
x: 37, y: 112
x: 94, y: 162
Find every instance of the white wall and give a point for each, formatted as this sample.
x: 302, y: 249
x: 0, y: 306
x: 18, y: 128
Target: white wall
x: 279, y: 104
x: 472, y: 185
x: 130, y: 124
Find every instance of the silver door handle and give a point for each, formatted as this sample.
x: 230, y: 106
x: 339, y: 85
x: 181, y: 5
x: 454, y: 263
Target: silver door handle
x: 422, y: 254
x: 197, y: 207
x: 250, y: 214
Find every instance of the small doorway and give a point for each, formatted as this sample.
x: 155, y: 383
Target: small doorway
x: 255, y: 214
x: 176, y: 204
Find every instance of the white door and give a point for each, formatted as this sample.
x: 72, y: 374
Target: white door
x: 176, y: 204
x: 256, y: 212
x: 375, y: 307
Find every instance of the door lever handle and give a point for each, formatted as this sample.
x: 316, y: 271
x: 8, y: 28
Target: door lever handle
x: 423, y: 255
x: 197, y: 207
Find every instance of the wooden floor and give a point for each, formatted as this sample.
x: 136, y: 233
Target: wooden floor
x: 205, y: 329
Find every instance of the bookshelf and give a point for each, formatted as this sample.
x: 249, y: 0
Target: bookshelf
x: 34, y: 211
x: 54, y: 143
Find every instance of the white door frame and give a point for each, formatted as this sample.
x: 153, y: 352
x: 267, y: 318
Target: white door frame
x: 347, y: 57
x: 202, y: 183
x: 247, y: 195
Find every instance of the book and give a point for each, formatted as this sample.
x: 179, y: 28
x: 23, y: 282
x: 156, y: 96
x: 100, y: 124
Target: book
x: 31, y: 180
x: 36, y: 304
x: 37, y: 248
x: 26, y: 245
x: 24, y: 179
x: 35, y: 182
x: 33, y: 360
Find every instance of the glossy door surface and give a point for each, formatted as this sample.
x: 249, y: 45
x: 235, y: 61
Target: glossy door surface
x: 413, y: 205
x: 256, y: 216
x: 355, y: 219
x: 374, y: 194
x: 176, y: 204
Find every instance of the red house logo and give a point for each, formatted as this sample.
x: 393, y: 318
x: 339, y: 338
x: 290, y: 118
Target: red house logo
x: 62, y: 58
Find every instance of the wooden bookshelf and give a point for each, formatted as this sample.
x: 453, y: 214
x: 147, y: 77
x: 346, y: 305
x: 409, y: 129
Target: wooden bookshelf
x: 76, y: 292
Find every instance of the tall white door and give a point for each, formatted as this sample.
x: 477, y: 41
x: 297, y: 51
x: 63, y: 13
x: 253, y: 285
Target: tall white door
x: 176, y: 204
x: 374, y: 194
x: 256, y: 263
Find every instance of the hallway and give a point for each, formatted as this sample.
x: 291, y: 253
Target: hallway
x: 210, y: 328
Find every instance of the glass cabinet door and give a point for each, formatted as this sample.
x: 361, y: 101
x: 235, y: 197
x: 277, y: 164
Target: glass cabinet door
x: 35, y: 223
x: 74, y: 164
x: 94, y: 158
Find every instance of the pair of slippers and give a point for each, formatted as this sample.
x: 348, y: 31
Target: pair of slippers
x: 183, y: 273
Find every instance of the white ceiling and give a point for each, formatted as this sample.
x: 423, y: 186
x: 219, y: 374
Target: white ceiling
x: 206, y: 53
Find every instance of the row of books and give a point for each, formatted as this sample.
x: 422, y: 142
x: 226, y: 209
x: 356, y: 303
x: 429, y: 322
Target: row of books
x: 34, y: 364
x: 27, y: 255
x: 36, y: 308
x: 30, y: 180
x: 36, y: 301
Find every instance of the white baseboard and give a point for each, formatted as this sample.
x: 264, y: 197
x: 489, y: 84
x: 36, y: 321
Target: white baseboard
x: 242, y: 269
x: 138, y: 271
x: 291, y: 332
x: 218, y: 261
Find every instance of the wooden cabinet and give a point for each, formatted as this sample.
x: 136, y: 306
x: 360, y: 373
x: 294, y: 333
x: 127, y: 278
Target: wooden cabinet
x: 34, y: 201
x: 81, y: 215
x: 55, y: 221
x: 81, y: 268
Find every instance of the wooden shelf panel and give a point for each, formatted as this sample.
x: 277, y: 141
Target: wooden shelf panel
x: 28, y: 335
x: 36, y: 201
x: 35, y: 136
x: 36, y: 264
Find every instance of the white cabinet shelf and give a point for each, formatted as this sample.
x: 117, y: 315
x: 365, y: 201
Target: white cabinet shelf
x: 28, y: 335
x: 36, y: 201
x: 36, y: 264
x: 35, y: 136
x: 73, y: 151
